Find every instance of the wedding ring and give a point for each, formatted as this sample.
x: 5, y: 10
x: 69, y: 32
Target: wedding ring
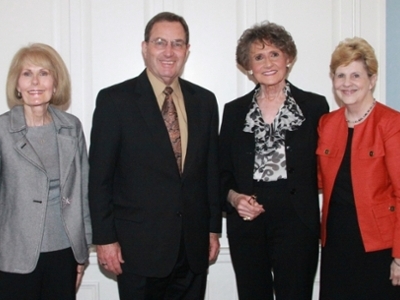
x: 247, y: 219
x: 252, y: 198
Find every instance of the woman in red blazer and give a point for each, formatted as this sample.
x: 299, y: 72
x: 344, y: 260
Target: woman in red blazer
x: 359, y: 171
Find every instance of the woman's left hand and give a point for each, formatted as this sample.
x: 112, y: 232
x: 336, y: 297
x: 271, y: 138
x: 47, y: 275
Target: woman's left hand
x: 395, y: 271
x: 80, y: 270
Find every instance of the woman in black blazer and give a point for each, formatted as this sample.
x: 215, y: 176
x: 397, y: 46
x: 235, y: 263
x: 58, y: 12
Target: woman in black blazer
x: 269, y: 174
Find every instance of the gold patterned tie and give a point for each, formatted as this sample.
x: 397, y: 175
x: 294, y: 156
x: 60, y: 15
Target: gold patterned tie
x: 170, y: 117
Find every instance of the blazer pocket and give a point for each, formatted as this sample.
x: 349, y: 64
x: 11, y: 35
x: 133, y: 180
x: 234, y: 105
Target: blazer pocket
x: 326, y: 150
x: 371, y: 152
x: 385, y: 218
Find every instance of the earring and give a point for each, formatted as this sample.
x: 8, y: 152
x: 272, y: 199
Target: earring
x: 19, y: 95
x: 250, y: 72
x: 288, y: 66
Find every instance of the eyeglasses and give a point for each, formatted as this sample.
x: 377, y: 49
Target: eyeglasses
x: 161, y: 44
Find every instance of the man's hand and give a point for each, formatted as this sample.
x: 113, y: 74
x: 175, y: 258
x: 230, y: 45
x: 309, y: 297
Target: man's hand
x: 110, y: 257
x: 214, y: 247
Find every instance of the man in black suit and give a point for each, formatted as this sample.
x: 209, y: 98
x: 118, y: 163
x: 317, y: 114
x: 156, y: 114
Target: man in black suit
x: 155, y: 212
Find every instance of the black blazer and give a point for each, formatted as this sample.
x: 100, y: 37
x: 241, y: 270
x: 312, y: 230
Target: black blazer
x: 237, y: 154
x: 136, y: 194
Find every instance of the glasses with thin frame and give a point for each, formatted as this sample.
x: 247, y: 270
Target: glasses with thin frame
x: 161, y: 44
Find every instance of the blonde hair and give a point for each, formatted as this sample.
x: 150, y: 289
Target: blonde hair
x: 354, y: 49
x: 44, y: 56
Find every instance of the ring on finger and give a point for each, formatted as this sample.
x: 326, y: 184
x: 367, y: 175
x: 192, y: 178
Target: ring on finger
x: 247, y: 219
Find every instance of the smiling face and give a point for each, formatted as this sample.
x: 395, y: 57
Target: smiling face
x: 36, y: 85
x: 268, y: 64
x: 166, y: 62
x: 352, y: 84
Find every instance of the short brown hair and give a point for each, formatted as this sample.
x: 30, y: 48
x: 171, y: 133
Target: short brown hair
x: 169, y: 17
x: 354, y: 49
x: 44, y: 56
x: 265, y: 33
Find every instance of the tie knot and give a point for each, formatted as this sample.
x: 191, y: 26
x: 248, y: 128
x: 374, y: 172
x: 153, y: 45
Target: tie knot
x: 168, y: 90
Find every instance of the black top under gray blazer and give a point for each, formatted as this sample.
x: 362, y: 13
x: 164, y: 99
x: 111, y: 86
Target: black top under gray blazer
x: 136, y: 194
x: 237, y: 154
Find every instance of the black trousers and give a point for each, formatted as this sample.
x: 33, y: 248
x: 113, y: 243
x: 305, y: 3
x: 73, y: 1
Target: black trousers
x: 53, y: 278
x: 275, y: 253
x: 182, y: 283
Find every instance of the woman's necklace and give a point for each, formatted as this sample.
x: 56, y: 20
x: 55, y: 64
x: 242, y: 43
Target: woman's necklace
x: 364, y: 116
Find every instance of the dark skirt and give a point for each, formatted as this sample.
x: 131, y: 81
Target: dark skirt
x: 347, y: 271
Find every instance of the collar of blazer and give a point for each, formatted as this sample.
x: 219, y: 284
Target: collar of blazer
x: 67, y: 144
x: 18, y: 123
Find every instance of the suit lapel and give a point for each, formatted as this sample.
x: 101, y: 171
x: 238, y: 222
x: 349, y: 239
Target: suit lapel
x: 245, y: 144
x: 67, y: 146
x: 23, y: 147
x: 192, y: 107
x: 146, y: 103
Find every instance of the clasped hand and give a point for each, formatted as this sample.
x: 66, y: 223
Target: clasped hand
x: 246, y: 205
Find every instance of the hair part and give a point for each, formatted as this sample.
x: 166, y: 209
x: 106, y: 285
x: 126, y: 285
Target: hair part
x: 264, y: 33
x: 44, y: 56
x: 168, y: 17
x: 354, y: 49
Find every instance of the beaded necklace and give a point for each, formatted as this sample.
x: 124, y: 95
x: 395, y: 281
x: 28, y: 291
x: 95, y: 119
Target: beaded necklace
x: 364, y: 116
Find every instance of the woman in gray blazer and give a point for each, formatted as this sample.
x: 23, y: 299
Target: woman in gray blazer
x: 44, y: 217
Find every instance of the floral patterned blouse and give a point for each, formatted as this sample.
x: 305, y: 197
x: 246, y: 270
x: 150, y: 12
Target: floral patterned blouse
x: 270, y: 157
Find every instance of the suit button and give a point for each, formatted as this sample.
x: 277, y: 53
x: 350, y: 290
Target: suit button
x: 326, y: 151
x: 288, y: 148
x: 371, y: 153
x: 179, y: 214
x: 391, y: 208
x: 293, y: 191
x: 291, y: 170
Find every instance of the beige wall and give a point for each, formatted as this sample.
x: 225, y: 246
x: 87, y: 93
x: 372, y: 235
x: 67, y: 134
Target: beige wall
x: 100, y: 42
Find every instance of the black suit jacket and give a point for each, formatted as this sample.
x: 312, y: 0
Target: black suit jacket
x: 136, y: 194
x: 237, y: 154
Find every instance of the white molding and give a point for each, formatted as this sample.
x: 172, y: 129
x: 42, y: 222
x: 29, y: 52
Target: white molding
x: 80, y: 48
x: 61, y: 29
x: 366, y: 19
x: 89, y: 290
x: 357, y: 17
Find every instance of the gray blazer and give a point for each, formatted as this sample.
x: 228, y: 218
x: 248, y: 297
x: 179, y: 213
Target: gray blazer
x: 24, y: 188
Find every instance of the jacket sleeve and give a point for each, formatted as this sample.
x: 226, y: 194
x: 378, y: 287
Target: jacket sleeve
x: 213, y: 181
x: 85, y: 198
x: 392, y: 160
x: 103, y: 155
x: 226, y: 165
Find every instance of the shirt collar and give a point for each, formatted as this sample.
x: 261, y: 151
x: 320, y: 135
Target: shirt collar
x: 159, y: 86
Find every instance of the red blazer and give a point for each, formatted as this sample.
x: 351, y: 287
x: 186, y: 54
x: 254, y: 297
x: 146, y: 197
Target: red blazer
x: 375, y: 173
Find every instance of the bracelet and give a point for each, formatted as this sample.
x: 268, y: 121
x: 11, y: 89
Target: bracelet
x: 396, y: 263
